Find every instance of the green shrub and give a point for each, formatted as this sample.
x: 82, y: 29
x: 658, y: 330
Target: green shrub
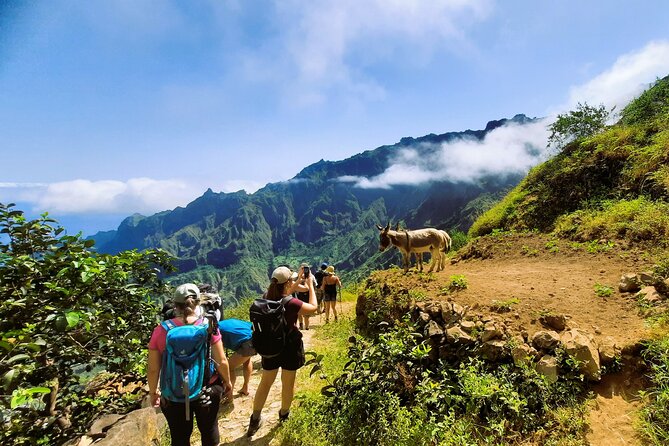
x: 457, y: 282
x: 637, y: 220
x: 650, y: 104
x: 68, y: 315
x: 391, y: 393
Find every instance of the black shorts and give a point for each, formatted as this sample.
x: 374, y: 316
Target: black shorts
x: 292, y: 356
x: 330, y: 297
x: 304, y: 297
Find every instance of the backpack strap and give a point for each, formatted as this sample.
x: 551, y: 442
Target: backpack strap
x: 168, y: 325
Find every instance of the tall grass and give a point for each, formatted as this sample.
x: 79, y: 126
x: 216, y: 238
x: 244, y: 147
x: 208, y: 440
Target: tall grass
x: 654, y: 416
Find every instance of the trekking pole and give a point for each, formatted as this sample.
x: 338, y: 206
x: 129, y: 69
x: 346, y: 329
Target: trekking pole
x: 340, y: 304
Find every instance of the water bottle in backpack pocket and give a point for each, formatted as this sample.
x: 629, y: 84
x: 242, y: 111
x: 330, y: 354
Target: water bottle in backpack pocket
x: 185, y: 362
x: 269, y: 326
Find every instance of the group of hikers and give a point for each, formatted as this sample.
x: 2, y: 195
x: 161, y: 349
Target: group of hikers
x: 189, y: 374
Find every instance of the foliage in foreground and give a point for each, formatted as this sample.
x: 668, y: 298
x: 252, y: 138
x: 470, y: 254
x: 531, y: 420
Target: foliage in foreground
x: 390, y: 393
x: 654, y: 417
x: 66, y: 314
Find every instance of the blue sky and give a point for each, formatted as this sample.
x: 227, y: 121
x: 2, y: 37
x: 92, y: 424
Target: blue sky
x: 111, y: 108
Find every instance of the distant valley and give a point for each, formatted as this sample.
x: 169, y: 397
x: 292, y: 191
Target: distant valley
x: 327, y: 212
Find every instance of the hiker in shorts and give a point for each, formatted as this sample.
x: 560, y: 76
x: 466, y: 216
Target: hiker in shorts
x: 319, y: 275
x: 303, y: 292
x: 236, y: 335
x: 291, y: 357
x: 330, y: 284
x: 205, y: 410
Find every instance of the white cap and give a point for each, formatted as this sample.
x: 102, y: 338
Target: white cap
x: 282, y: 274
x: 185, y: 291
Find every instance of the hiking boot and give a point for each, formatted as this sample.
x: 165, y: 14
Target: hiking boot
x: 254, y: 425
x: 283, y: 417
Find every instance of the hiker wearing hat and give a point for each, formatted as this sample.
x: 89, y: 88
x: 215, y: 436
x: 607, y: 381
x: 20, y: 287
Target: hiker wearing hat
x: 329, y: 286
x: 303, y: 292
x: 200, y: 396
x: 291, y: 356
x: 319, y: 282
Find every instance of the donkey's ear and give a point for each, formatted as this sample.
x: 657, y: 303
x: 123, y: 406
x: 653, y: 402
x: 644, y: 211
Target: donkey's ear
x: 387, y: 226
x: 379, y: 227
x: 397, y: 226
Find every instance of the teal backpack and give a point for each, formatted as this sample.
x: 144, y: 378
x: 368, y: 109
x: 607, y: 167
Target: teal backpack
x: 186, y: 362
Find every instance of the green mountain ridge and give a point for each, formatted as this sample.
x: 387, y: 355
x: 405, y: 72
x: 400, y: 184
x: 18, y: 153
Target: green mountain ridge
x: 234, y: 239
x: 613, y: 184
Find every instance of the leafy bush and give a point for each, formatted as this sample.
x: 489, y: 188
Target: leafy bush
x: 391, y: 393
x: 458, y: 239
x: 583, y: 122
x: 66, y: 314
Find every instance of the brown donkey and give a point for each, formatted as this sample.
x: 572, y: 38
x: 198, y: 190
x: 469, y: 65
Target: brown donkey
x: 418, y: 242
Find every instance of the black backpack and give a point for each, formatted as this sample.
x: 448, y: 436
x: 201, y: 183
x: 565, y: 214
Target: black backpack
x: 269, y: 326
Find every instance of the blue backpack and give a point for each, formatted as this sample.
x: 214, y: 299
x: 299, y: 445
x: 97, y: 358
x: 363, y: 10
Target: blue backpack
x: 185, y: 362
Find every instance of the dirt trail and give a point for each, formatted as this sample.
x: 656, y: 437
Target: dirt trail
x: 522, y: 269
x: 233, y: 421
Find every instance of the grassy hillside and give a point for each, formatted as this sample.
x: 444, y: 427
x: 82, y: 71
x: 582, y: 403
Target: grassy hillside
x: 614, y: 184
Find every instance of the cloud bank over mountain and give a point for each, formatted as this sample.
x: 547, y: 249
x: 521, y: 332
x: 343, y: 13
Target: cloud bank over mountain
x: 510, y: 149
x: 514, y: 149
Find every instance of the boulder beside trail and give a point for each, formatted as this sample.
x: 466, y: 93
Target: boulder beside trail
x: 579, y: 345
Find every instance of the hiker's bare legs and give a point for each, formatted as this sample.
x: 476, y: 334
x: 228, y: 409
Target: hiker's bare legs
x: 287, y: 389
x: 334, y: 309
x: 328, y: 305
x: 235, y: 361
x: 247, y: 369
x: 266, y: 381
x: 306, y: 322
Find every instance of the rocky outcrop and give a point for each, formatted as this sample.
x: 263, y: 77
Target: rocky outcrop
x: 139, y: 427
x: 452, y: 330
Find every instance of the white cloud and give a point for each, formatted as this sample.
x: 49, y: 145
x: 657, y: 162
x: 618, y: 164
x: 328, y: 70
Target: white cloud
x: 510, y: 149
x: 144, y: 195
x: 331, y: 42
x: 628, y: 77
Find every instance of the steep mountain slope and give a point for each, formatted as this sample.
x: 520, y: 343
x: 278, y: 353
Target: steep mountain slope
x: 614, y: 184
x: 234, y: 239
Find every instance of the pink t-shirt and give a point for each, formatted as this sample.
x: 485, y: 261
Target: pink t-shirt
x: 159, y: 335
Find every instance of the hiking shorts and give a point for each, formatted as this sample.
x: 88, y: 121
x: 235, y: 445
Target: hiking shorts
x: 292, y: 356
x: 330, y: 297
x: 246, y: 349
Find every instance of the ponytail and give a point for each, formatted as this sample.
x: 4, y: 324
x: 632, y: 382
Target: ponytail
x: 275, y: 290
x: 187, y: 308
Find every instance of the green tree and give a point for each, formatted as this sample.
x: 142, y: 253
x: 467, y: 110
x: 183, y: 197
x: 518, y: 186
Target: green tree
x: 583, y: 122
x: 67, y: 314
